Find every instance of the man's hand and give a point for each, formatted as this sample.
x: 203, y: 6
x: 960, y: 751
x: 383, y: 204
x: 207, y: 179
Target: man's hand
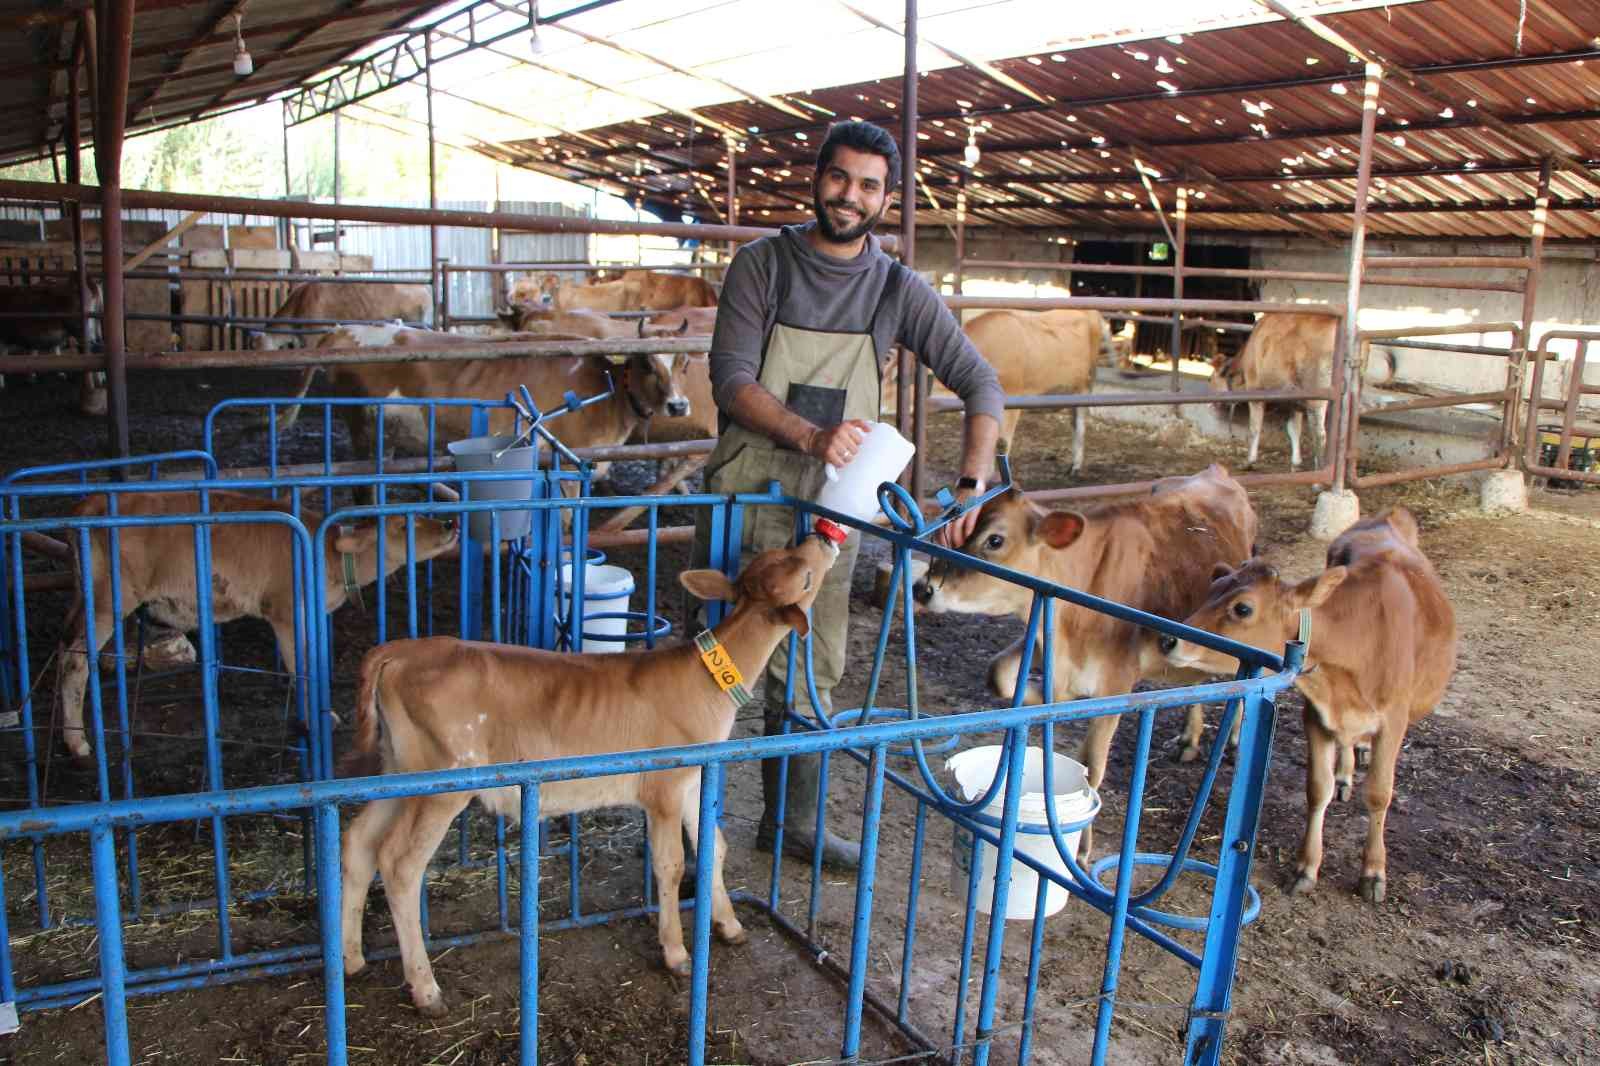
x: 837, y: 445
x: 960, y: 528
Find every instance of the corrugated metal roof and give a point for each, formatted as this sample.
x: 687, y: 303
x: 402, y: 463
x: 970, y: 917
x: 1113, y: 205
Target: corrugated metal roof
x: 1255, y: 114
x: 1268, y: 109
x: 182, y: 63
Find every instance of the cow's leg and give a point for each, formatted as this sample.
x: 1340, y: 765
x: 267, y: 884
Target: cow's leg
x: 74, y: 672
x: 1008, y: 428
x: 1291, y: 428
x: 91, y: 394
x: 1344, y: 774
x: 1258, y: 414
x: 402, y: 860
x: 1003, y: 671
x: 1080, y: 417
x: 1321, y: 749
x: 1317, y: 416
x: 726, y: 921
x: 1194, y: 731
x: 666, y: 858
x: 1379, y: 793
x: 360, y: 861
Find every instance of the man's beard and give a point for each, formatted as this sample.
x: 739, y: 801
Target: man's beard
x: 843, y: 236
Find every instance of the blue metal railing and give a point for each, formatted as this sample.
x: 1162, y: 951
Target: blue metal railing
x: 1262, y: 676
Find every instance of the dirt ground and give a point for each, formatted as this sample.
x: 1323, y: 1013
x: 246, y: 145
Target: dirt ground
x: 1484, y: 951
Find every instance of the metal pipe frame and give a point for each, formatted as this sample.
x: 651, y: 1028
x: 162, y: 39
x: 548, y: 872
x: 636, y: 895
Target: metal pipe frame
x: 303, y: 357
x: 1532, y: 461
x: 911, y: 377
x: 1442, y: 262
x: 1251, y: 695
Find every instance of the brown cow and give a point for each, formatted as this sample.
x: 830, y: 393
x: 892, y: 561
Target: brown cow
x: 443, y: 703
x: 536, y: 318
x: 1035, y: 353
x: 61, y: 322
x: 1286, y: 350
x: 643, y: 384
x: 701, y: 420
x: 348, y: 302
x: 1383, y: 648
x: 636, y: 290
x: 251, y: 574
x: 1154, y: 553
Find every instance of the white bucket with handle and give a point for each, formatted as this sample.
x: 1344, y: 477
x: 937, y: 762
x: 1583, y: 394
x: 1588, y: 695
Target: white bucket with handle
x: 607, y: 590
x: 1074, y: 802
x: 853, y: 488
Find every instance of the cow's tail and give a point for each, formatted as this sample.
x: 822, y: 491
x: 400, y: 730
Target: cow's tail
x: 291, y: 414
x: 365, y: 756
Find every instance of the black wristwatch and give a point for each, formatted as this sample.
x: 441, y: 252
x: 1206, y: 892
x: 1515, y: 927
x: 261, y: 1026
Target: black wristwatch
x: 967, y: 483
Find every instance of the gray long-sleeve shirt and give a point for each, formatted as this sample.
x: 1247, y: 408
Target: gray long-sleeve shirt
x: 839, y: 295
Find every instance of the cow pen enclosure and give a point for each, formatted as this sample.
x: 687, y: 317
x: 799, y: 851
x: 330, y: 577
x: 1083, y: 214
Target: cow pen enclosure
x: 176, y: 896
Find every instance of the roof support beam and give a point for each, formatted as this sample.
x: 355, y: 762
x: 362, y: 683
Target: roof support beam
x: 989, y: 70
x: 1407, y: 81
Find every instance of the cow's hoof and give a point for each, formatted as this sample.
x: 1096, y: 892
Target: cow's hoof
x: 432, y: 1006
x: 733, y: 933
x: 1190, y: 753
x: 679, y: 967
x: 1303, y: 883
x: 354, y: 965
x: 1372, y: 888
x: 94, y: 405
x: 1342, y: 790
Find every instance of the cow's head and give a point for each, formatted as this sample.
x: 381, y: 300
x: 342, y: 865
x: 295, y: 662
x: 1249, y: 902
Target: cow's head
x: 655, y: 383
x: 1011, y: 532
x: 275, y: 340
x: 1393, y: 528
x: 520, y: 315
x: 783, y: 582
x: 1251, y: 605
x: 359, y: 542
x: 1227, y: 374
x: 549, y: 287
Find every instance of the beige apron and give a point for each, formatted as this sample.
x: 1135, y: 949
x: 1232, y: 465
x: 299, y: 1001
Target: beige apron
x: 829, y: 378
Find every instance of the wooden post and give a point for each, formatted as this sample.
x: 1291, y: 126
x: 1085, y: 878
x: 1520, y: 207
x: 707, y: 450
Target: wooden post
x: 1177, y: 286
x: 1517, y: 370
x: 116, y: 48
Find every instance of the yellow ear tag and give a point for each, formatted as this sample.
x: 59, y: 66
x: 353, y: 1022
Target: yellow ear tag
x: 722, y: 667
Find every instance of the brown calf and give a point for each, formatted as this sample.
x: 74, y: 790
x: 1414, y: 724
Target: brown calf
x: 252, y: 575
x: 439, y: 703
x: 1154, y: 553
x: 1383, y: 648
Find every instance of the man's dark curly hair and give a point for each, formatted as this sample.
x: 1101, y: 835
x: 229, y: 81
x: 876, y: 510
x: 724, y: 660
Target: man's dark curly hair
x: 863, y: 137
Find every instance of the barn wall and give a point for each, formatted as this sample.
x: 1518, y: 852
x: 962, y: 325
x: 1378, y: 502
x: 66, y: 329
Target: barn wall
x: 1568, y: 296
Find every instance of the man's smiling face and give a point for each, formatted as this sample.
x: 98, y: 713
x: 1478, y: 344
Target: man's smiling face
x: 851, y: 194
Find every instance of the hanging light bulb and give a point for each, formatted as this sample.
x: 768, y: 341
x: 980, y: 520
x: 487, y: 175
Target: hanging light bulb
x: 971, y: 155
x: 535, y: 44
x: 243, y: 65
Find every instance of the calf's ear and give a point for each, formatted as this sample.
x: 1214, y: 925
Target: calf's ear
x: 707, y: 584
x: 1220, y: 571
x: 792, y: 616
x: 1060, y: 528
x: 1314, y: 591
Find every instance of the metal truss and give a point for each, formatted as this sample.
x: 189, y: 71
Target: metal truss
x: 406, y: 59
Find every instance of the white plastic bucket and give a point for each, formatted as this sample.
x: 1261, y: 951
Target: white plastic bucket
x: 1075, y: 801
x: 477, y: 453
x: 853, y: 488
x: 606, y: 590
